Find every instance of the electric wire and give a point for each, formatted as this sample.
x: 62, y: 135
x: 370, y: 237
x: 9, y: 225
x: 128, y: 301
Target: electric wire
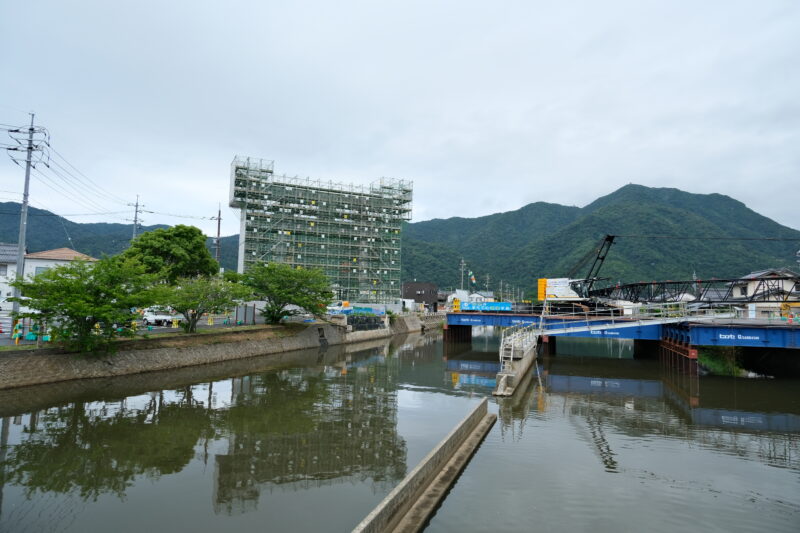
x: 698, y: 237
x: 52, y: 184
x: 178, y: 216
x: 70, y: 183
x: 86, y: 179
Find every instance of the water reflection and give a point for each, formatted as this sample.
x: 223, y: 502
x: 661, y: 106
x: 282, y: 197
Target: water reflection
x: 747, y: 418
x: 93, y: 449
x: 297, y: 430
x: 327, y: 417
x: 250, y: 442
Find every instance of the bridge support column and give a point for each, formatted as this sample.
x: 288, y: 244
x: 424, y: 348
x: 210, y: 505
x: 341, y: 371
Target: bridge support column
x: 457, y: 333
x: 679, y: 365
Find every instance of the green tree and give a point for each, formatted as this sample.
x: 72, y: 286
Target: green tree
x: 192, y: 297
x: 177, y: 252
x: 280, y: 286
x: 232, y: 276
x: 86, y: 305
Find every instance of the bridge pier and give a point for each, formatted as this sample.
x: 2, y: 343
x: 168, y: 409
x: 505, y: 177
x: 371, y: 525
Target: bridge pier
x: 679, y: 365
x: 457, y: 333
x: 646, y: 349
x: 548, y: 344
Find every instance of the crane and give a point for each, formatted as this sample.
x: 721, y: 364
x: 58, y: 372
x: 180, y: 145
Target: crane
x: 599, y: 252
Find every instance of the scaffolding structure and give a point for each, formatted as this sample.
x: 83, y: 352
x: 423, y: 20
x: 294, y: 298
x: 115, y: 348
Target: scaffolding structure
x: 351, y: 232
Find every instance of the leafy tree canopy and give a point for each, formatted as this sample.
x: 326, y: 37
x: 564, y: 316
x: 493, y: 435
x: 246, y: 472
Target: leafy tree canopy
x: 173, y: 253
x: 280, y: 286
x: 192, y: 297
x: 85, y: 305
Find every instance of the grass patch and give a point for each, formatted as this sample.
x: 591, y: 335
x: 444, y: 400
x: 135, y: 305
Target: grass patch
x: 720, y: 361
x: 15, y: 348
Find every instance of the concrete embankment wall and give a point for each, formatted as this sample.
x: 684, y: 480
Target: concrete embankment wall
x: 394, y: 507
x: 24, y: 368
x: 32, y: 398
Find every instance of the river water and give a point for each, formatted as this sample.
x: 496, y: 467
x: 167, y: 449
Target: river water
x: 313, y: 440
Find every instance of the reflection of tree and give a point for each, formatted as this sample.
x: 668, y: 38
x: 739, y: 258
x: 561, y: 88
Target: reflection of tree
x: 287, y: 429
x: 296, y: 431
x: 76, y: 450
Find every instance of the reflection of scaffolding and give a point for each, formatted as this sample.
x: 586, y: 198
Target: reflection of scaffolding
x: 349, y: 231
x: 347, y: 434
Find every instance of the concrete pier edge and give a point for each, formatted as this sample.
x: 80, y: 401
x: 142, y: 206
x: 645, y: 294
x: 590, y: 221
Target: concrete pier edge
x: 411, y: 503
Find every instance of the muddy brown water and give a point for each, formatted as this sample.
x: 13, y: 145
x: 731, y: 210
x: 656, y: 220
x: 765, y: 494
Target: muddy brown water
x: 312, y: 441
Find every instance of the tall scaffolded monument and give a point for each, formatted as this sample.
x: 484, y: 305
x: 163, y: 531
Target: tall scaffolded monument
x: 351, y: 232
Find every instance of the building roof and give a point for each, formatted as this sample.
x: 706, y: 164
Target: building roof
x: 60, y: 254
x: 772, y: 273
x: 8, y: 253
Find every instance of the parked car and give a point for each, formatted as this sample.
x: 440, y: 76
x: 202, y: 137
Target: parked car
x: 158, y: 317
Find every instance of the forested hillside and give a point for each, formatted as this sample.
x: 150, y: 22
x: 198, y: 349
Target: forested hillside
x: 662, y: 234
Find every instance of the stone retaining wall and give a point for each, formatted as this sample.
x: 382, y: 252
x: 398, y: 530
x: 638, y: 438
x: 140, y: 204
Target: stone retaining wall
x: 432, y: 320
x: 24, y: 368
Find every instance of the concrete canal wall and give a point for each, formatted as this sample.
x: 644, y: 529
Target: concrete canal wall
x: 24, y: 368
x: 415, y: 498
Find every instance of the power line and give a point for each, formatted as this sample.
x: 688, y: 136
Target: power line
x: 698, y: 237
x: 65, y: 215
x: 69, y: 183
x: 86, y: 179
x: 178, y: 216
x: 50, y: 183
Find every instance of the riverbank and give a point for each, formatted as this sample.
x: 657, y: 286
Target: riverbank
x: 35, y: 367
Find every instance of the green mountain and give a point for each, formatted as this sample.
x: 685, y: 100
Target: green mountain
x: 662, y: 234
x: 706, y: 233
x: 47, y: 231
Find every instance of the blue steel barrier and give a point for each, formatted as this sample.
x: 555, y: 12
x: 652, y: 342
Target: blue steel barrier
x: 772, y: 336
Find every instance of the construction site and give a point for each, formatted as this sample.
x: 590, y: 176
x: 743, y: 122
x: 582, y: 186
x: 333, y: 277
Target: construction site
x: 351, y: 232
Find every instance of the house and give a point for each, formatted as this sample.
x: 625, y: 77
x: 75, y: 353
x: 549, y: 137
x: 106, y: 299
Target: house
x: 35, y: 263
x: 461, y: 294
x: 8, y: 269
x: 765, y: 291
x: 39, y: 262
x: 481, y: 296
x: 421, y: 292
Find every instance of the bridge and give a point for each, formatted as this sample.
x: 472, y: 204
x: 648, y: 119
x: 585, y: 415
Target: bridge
x: 673, y: 327
x: 665, y: 322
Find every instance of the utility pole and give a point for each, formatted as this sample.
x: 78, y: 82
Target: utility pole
x: 136, y: 207
x: 487, y: 282
x: 219, y: 222
x: 23, y: 218
x: 463, y: 266
x: 501, y: 290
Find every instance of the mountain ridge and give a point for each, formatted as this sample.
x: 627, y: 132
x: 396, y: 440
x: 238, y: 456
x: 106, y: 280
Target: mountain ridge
x: 664, y: 233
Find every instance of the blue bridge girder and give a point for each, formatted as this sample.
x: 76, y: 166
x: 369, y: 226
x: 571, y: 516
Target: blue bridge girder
x: 694, y: 333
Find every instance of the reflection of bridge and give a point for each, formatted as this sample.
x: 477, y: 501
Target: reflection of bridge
x: 598, y: 387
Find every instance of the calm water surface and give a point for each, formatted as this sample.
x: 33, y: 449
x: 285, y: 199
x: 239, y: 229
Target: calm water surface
x: 312, y: 441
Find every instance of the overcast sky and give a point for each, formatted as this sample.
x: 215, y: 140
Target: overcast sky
x: 486, y: 106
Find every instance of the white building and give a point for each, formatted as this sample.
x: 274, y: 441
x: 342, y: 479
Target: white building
x: 780, y: 286
x: 35, y: 263
x: 8, y: 271
x: 39, y: 262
